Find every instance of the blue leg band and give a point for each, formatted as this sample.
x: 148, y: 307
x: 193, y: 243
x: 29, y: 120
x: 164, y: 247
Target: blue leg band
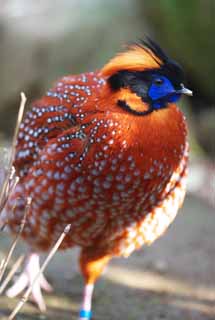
x: 85, y: 314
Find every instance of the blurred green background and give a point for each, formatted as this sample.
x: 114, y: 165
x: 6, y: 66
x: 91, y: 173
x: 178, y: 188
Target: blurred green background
x: 42, y: 40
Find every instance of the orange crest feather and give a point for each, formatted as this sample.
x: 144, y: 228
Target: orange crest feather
x: 137, y: 58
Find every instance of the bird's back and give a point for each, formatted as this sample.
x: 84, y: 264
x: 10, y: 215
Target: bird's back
x: 63, y: 107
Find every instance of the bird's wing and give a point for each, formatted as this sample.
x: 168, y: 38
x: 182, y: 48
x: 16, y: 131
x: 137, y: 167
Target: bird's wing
x: 60, y: 109
x: 58, y: 185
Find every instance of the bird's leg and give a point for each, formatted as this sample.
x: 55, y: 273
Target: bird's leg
x: 31, y: 269
x: 92, y: 264
x: 85, y: 312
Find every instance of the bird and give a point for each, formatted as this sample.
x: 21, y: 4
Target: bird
x: 106, y: 152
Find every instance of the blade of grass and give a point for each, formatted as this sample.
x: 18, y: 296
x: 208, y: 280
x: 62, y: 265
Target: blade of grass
x: 44, y: 265
x: 13, y: 270
x: 19, y: 120
x: 13, y: 246
x: 11, y: 170
x: 9, y: 189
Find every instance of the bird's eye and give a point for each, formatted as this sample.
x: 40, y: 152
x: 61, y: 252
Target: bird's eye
x: 158, y: 81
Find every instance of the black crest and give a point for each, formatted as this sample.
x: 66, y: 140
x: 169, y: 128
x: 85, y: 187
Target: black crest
x: 151, y: 45
x: 168, y: 67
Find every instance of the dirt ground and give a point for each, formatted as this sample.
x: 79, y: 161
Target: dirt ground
x: 174, y: 279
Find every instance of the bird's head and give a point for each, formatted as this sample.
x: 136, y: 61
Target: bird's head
x: 144, y: 70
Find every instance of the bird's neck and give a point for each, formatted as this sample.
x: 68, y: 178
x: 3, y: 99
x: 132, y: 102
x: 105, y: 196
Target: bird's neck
x: 160, y: 133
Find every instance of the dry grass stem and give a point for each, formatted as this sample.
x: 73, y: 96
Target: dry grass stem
x: 13, y: 246
x: 9, y: 189
x: 13, y: 270
x: 44, y: 265
x: 11, y: 170
x: 1, y: 264
x: 9, y: 185
x: 18, y: 122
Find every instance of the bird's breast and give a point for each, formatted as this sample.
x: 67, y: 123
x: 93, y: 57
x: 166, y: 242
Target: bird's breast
x: 118, y: 171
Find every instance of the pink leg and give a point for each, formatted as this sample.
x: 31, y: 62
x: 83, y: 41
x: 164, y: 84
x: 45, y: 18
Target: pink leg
x: 31, y: 269
x: 85, y: 313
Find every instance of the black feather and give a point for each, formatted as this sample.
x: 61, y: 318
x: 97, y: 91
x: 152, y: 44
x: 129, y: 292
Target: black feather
x: 151, y: 45
x: 170, y: 68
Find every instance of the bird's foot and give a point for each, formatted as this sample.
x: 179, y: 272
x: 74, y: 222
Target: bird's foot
x: 26, y: 279
x: 85, y: 315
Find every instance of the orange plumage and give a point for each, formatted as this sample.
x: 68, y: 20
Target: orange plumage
x: 102, y: 152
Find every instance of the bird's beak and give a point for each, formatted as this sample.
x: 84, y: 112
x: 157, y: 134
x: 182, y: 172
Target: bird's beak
x: 184, y: 90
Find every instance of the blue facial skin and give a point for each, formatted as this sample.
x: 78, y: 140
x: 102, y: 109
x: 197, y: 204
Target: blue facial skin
x: 162, y: 91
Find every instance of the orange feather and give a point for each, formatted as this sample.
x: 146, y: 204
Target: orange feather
x: 136, y: 58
